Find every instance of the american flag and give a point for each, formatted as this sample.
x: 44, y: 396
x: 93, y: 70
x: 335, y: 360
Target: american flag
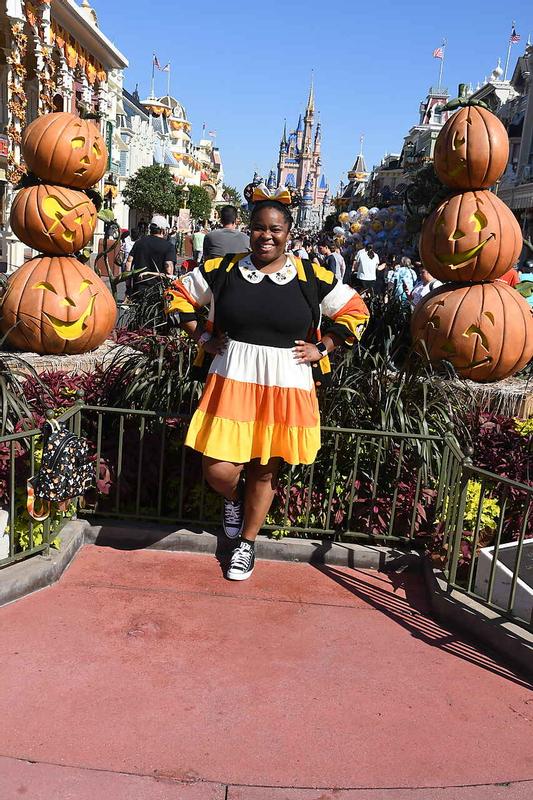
x: 438, y: 53
x: 166, y: 68
x: 515, y: 37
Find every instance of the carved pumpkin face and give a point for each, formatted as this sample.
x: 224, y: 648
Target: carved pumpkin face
x: 484, y: 329
x: 472, y: 149
x: 57, y: 305
x: 62, y: 148
x: 471, y: 236
x: 53, y: 219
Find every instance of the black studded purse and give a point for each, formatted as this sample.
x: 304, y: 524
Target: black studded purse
x: 66, y: 471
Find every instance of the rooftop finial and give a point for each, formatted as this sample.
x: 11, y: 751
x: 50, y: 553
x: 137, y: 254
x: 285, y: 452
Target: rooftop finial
x: 361, y: 142
x: 311, y: 100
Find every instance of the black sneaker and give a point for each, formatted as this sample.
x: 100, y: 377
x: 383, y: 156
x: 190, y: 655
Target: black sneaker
x: 242, y: 562
x: 233, y: 517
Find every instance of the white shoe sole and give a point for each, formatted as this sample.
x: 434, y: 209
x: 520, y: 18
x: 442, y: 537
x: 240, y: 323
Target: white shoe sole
x: 238, y: 576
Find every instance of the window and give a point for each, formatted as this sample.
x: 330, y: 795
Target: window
x: 123, y: 163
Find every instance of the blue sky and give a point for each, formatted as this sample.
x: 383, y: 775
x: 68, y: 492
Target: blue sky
x: 242, y: 67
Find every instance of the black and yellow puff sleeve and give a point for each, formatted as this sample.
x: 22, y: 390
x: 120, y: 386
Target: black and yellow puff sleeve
x: 187, y: 295
x: 343, y: 305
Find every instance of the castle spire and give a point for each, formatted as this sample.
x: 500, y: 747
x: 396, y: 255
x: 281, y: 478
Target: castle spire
x: 311, y: 100
x: 284, y: 137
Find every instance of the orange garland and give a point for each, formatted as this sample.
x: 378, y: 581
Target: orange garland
x: 76, y: 55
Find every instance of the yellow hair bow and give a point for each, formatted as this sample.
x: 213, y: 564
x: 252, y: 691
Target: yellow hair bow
x: 280, y: 195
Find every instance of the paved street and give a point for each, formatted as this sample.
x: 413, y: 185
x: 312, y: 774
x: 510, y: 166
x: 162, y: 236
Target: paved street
x: 146, y: 675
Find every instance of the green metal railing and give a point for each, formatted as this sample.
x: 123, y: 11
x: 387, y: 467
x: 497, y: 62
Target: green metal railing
x: 319, y: 499
x: 380, y: 486
x: 490, y: 555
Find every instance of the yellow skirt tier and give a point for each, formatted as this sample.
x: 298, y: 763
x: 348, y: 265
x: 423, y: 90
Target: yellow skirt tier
x: 257, y: 403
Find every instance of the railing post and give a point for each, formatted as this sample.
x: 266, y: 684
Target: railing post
x: 459, y: 524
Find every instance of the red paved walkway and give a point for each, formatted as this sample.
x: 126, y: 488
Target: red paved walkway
x: 147, y: 676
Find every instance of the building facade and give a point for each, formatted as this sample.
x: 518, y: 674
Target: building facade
x: 512, y: 101
x: 300, y: 166
x: 389, y: 180
x: 53, y: 57
x: 189, y: 163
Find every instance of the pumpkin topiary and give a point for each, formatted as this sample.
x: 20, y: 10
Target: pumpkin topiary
x: 484, y: 329
x: 472, y: 149
x: 53, y: 219
x: 471, y: 236
x: 63, y: 148
x: 57, y: 305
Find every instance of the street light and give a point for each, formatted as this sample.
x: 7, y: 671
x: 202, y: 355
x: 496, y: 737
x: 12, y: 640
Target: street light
x: 185, y: 192
x: 110, y: 189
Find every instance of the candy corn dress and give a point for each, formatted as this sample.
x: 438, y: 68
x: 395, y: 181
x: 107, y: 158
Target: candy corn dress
x: 258, y: 403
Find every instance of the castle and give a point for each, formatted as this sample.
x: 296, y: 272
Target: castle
x: 299, y: 167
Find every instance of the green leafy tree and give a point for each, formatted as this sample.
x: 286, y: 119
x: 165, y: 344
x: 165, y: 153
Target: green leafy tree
x: 234, y: 198
x: 424, y: 193
x: 152, y: 189
x: 198, y: 201
x: 232, y: 195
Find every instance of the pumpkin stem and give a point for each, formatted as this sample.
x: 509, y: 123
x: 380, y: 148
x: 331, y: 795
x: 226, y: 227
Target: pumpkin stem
x: 28, y: 179
x: 462, y: 102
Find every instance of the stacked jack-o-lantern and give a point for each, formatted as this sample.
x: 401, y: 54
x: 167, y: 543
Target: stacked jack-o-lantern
x: 54, y: 303
x: 478, y: 323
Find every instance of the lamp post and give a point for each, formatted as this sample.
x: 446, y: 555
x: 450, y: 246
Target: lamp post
x: 185, y: 192
x: 111, y: 229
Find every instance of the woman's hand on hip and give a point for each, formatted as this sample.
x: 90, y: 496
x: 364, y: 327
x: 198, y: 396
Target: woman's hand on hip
x: 306, y: 353
x: 217, y: 344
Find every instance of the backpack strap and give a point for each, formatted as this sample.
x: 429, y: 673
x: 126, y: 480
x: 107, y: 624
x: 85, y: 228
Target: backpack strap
x: 309, y: 288
x: 321, y: 369
x: 221, y: 276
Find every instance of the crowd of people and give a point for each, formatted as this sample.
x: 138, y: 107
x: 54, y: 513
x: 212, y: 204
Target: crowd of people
x: 152, y: 249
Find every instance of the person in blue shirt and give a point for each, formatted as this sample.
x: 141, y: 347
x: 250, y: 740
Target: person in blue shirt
x: 401, y: 280
x: 526, y: 277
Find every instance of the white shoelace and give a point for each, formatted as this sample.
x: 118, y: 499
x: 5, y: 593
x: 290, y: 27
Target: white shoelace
x: 241, y: 556
x: 233, y: 513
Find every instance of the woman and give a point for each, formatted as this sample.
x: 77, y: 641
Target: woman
x: 401, y: 280
x: 366, y: 264
x: 259, y: 406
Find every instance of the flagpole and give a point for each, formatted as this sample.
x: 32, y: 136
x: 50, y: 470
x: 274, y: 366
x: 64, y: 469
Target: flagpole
x: 442, y: 63
x: 168, y: 80
x: 152, y: 88
x: 508, y: 53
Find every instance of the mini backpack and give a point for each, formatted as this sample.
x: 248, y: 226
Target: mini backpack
x: 66, y: 471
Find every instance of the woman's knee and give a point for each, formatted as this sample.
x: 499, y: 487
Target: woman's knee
x: 264, y: 473
x: 221, y: 475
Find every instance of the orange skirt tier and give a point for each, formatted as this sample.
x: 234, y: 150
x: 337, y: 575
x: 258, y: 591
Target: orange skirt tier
x: 257, y: 403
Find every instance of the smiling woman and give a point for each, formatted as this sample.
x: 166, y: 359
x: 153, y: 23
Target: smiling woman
x: 259, y: 406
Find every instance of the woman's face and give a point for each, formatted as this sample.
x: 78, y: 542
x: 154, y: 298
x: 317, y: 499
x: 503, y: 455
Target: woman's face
x: 268, y: 235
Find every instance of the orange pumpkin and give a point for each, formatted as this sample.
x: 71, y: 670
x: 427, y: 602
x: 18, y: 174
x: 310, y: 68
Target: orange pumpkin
x: 472, y: 149
x: 53, y: 219
x: 57, y: 305
x: 63, y: 148
x: 471, y: 236
x: 484, y: 329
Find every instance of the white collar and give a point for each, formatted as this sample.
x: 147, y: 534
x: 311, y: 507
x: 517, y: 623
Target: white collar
x: 250, y: 272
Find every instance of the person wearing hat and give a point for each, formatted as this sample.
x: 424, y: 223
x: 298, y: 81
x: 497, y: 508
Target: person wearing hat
x: 259, y: 406
x: 151, y: 254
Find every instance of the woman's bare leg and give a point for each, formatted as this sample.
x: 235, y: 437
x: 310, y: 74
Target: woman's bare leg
x: 222, y: 476
x: 261, y: 481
